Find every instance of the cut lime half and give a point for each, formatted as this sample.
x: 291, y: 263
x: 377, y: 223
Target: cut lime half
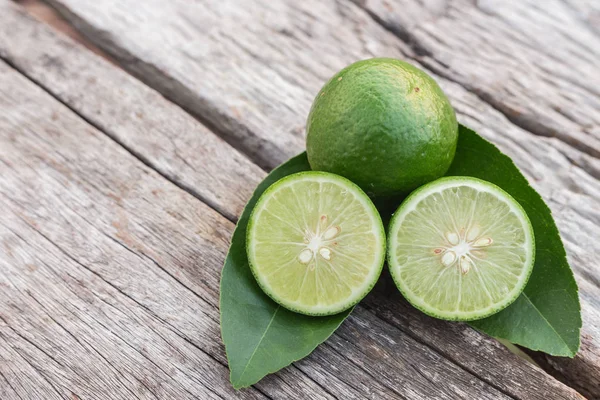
x: 315, y: 243
x: 460, y: 248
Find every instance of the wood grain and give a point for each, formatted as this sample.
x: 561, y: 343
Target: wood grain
x: 451, y: 371
x: 174, y: 143
x: 259, y: 65
x: 95, y: 234
x: 537, y: 63
x: 111, y: 278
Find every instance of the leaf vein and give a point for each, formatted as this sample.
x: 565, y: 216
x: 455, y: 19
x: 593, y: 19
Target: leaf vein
x: 548, y: 322
x: 259, y: 343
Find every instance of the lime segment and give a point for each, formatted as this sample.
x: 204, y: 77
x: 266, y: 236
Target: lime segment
x: 315, y: 243
x: 460, y: 248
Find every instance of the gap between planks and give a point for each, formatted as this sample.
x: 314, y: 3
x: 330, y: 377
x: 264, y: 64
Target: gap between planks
x: 50, y: 16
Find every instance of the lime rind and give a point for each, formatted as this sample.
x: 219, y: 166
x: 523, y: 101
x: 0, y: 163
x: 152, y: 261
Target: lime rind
x: 384, y: 124
x: 378, y: 248
x: 411, y: 202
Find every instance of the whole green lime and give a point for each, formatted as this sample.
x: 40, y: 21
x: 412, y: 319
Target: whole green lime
x: 385, y: 125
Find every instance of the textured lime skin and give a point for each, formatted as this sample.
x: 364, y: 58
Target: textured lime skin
x: 383, y: 124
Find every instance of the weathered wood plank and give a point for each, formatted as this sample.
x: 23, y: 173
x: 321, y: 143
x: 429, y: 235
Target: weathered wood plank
x: 24, y: 382
x: 282, y: 49
x: 179, y: 145
x: 113, y: 355
x: 83, y: 89
x: 536, y: 63
x: 114, y: 273
x: 65, y: 292
x: 266, y: 62
x: 252, y: 83
x: 70, y: 162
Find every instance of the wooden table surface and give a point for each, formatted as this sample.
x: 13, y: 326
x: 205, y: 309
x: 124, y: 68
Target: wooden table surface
x: 120, y: 186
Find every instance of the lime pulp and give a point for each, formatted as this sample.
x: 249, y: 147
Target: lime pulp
x: 315, y: 243
x: 460, y: 248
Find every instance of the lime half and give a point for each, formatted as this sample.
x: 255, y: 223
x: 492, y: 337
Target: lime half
x: 315, y: 243
x: 460, y: 248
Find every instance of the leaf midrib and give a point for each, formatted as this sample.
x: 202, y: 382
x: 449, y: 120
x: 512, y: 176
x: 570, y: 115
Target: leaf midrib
x: 549, y: 324
x: 258, y: 344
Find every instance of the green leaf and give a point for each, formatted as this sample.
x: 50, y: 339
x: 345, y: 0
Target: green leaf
x: 260, y: 336
x: 547, y: 315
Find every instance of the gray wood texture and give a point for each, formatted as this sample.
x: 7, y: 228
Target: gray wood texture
x: 535, y: 62
x: 523, y: 75
x: 96, y: 238
x: 120, y: 222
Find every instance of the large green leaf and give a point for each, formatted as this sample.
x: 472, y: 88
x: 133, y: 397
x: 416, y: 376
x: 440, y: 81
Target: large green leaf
x: 260, y: 336
x: 547, y: 315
